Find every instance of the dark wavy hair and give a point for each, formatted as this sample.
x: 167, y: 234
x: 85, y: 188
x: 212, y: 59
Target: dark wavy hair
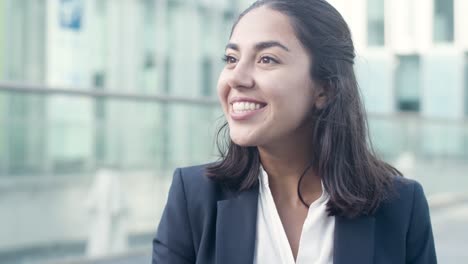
x: 355, y: 178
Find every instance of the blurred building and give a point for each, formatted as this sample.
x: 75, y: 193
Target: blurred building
x: 159, y: 47
x: 413, y: 58
x: 52, y: 145
x: 142, y: 46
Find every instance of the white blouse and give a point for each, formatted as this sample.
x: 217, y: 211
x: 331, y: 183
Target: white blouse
x: 272, y: 246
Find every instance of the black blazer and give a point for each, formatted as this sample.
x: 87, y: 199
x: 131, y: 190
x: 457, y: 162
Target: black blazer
x: 203, y: 223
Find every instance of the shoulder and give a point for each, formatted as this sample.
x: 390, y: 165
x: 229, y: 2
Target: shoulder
x: 407, y: 203
x: 190, y: 205
x: 193, y: 175
x: 404, y: 193
x: 403, y: 224
x: 407, y: 188
x: 408, y: 191
x: 194, y: 179
x: 199, y: 190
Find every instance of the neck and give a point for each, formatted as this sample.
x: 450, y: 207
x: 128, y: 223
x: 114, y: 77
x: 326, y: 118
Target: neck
x: 284, y: 165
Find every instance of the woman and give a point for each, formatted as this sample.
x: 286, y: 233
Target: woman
x: 298, y: 182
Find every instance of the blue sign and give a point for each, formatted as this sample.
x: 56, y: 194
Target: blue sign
x: 71, y: 14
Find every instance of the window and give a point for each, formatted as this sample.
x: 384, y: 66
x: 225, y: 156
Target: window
x: 407, y: 81
x: 466, y: 84
x: 100, y: 116
x: 466, y: 102
x: 2, y: 33
x: 443, y: 21
x: 376, y: 22
x: 207, y: 82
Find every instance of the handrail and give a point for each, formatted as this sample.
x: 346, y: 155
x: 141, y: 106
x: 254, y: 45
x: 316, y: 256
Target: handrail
x: 21, y: 87
x: 25, y: 87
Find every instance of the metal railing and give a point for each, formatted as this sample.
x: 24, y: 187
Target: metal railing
x: 29, y: 88
x: 91, y: 92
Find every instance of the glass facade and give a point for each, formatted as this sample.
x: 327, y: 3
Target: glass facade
x: 173, y: 58
x: 466, y: 84
x: 378, y: 91
x: 407, y: 83
x: 57, y: 144
x: 442, y: 79
x: 23, y: 59
x: 443, y: 21
x: 376, y: 22
x: 3, y: 141
x: 2, y: 37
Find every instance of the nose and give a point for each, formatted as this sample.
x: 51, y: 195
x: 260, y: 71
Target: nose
x: 241, y: 76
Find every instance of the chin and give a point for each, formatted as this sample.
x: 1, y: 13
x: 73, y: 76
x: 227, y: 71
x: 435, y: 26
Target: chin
x: 242, y: 141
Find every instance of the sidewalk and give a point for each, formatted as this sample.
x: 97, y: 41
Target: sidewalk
x: 450, y: 226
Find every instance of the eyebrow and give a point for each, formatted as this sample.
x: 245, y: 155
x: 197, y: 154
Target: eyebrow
x: 259, y: 46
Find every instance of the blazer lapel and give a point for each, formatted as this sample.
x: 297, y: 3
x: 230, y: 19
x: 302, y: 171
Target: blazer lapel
x: 236, y: 227
x: 354, y: 240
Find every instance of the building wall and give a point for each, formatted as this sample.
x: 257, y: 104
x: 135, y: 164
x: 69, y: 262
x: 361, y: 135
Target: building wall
x: 2, y: 35
x: 3, y: 134
x: 123, y: 46
x: 173, y: 48
x: 23, y: 59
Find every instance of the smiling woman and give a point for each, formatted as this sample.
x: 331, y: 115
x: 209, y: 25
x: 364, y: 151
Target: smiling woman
x: 298, y: 181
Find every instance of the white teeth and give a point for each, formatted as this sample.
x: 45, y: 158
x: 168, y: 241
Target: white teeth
x: 245, y: 106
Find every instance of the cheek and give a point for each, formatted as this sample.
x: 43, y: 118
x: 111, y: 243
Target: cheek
x: 291, y: 90
x: 222, y: 90
x: 292, y: 98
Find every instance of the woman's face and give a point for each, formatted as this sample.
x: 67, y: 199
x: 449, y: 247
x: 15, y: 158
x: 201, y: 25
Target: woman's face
x: 265, y: 88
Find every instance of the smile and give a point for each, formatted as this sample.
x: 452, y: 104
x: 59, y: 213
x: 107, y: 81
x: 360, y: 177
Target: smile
x: 243, y: 110
x: 238, y: 107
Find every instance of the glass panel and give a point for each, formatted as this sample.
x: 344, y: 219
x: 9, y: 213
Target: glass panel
x: 139, y: 143
x: 3, y: 135
x: 466, y: 84
x: 402, y: 141
x: 376, y: 22
x: 375, y: 77
x: 2, y: 35
x: 25, y: 144
x: 25, y: 31
x: 407, y: 81
x: 208, y: 87
x: 443, y: 21
x: 149, y: 71
x: 443, y: 84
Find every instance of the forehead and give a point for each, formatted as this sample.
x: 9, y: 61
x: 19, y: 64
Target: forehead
x: 264, y: 24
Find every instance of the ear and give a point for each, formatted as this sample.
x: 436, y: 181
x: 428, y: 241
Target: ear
x: 321, y: 98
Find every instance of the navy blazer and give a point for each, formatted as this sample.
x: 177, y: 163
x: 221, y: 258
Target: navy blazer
x: 203, y: 223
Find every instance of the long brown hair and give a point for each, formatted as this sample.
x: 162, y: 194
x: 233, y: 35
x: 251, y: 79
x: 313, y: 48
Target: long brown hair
x: 355, y: 178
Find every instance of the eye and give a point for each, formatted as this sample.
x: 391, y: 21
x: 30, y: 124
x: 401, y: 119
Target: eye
x: 229, y: 59
x: 268, y: 60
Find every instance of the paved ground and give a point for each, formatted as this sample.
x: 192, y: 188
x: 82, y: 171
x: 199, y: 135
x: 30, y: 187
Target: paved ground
x: 451, y: 234
x: 450, y: 231
x: 42, y: 201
